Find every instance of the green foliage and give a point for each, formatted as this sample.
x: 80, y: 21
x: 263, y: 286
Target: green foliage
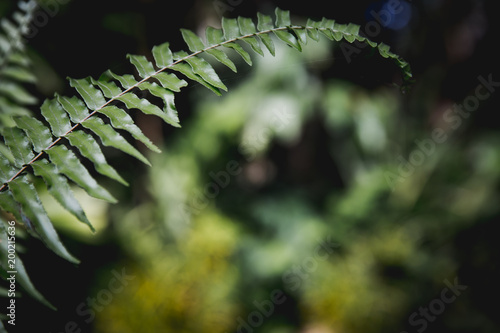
x: 15, y: 116
x: 204, y: 252
x: 393, y: 253
x: 14, y: 67
x: 44, y: 148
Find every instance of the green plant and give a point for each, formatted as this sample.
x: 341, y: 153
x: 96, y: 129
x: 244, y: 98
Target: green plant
x: 42, y: 149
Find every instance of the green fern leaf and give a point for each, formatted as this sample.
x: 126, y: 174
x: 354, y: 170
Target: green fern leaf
x: 111, y: 138
x: 193, y: 42
x: 384, y: 50
x: 19, y: 59
x: 91, y: 96
x: 16, y: 93
x: 4, y: 44
x: 326, y: 27
x: 55, y: 115
x: 168, y: 98
x: 300, y: 34
x: 339, y: 31
x: 121, y: 120
x: 133, y: 102
x: 170, y: 81
x: 352, y: 30
x: 283, y: 20
x: 143, y: 66
x: 244, y: 54
x: 69, y: 165
x: 36, y: 131
x: 25, y: 194
x: 21, y: 275
x: 288, y: 38
x: 89, y: 148
x: 265, y: 23
x: 9, y: 204
x: 6, y: 170
x: 248, y: 28
x: 187, y: 70
x: 163, y: 55
x: 19, y: 146
x: 202, y: 68
x: 222, y: 58
x: 18, y: 73
x: 10, y: 29
x: 216, y: 37
x: 313, y: 33
x: 127, y: 81
x: 74, y: 107
x: 108, y: 88
x: 230, y: 28
x: 9, y: 110
x: 59, y: 188
x: 282, y: 17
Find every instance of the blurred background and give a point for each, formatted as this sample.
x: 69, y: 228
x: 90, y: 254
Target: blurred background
x: 317, y: 196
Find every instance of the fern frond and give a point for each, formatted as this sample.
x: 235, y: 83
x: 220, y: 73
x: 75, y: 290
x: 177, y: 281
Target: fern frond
x: 43, y: 148
x: 21, y: 274
x: 14, y: 69
x: 22, y: 135
x: 14, y: 65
